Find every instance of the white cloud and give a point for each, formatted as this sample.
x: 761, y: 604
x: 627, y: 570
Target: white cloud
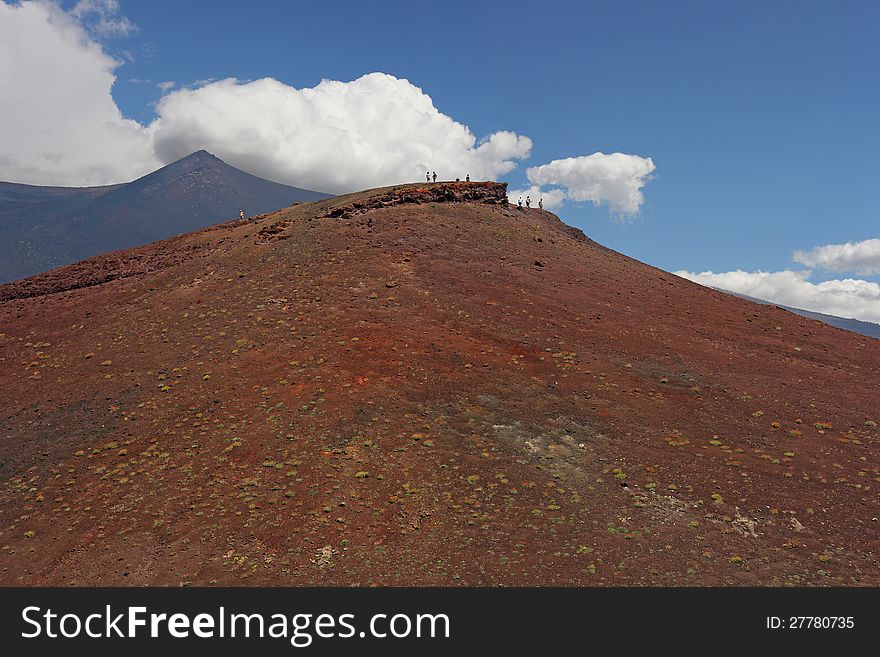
x: 844, y: 298
x: 553, y: 198
x: 615, y: 179
x: 59, y: 123
x: 102, y: 18
x: 61, y: 126
x: 862, y: 258
x: 201, y: 82
x: 335, y: 137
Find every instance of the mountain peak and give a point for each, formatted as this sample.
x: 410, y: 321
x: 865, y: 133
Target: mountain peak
x: 200, y: 154
x: 198, y: 157
x: 56, y: 226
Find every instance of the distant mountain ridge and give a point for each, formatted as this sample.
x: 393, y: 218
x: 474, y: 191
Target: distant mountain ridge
x: 46, y: 227
x: 869, y: 329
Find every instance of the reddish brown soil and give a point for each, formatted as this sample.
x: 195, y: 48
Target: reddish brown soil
x: 443, y: 392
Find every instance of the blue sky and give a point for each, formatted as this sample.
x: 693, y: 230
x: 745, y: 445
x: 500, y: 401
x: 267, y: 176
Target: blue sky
x: 760, y: 117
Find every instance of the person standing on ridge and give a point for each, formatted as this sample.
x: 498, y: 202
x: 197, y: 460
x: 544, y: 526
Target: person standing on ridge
x: 519, y: 202
x: 467, y: 178
x: 541, y: 203
x: 427, y: 176
x: 528, y: 201
x: 241, y: 214
x: 435, y: 176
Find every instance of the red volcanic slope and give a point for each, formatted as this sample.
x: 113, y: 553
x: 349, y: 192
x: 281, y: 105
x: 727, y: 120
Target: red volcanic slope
x: 423, y: 385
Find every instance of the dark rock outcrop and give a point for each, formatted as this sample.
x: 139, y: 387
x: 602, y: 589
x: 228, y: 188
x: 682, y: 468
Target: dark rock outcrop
x: 492, y: 193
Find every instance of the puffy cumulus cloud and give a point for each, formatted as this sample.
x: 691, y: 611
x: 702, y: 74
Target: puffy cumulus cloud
x: 335, y: 137
x: 861, y: 257
x: 553, y: 198
x: 60, y: 124
x: 845, y: 298
x: 615, y: 179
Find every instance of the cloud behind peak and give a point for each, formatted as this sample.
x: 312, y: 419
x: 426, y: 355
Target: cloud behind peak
x: 336, y: 136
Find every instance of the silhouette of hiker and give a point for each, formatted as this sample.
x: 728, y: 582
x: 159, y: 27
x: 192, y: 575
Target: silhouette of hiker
x: 528, y: 201
x: 467, y: 178
x: 241, y: 214
x: 427, y: 176
x: 457, y: 179
x: 541, y: 203
x: 519, y: 202
x: 435, y: 176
